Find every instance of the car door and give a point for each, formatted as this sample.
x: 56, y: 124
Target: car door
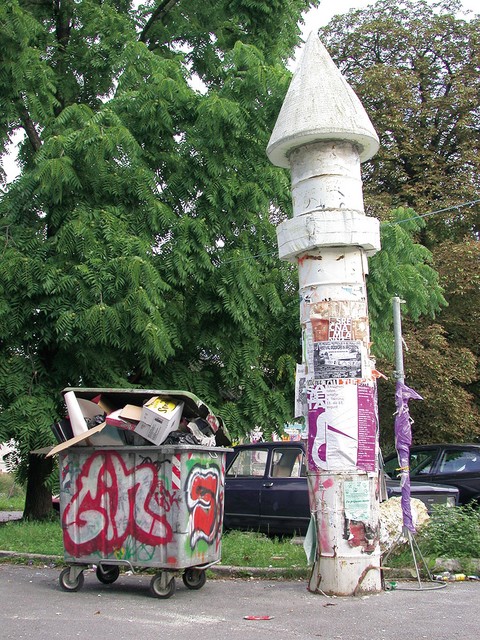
x: 244, y: 481
x: 284, y: 506
x: 460, y: 467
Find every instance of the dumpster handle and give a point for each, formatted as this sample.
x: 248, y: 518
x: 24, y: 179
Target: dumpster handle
x: 207, y: 565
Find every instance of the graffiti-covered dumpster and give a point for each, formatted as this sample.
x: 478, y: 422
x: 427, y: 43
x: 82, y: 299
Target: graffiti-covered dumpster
x: 141, y: 505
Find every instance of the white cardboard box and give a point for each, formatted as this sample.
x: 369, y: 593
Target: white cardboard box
x: 160, y: 416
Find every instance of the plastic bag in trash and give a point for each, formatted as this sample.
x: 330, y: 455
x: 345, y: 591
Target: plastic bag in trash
x: 203, y: 439
x: 181, y: 437
x: 98, y: 419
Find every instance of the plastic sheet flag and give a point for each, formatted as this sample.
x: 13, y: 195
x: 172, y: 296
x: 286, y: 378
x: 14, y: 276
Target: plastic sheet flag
x: 403, y: 441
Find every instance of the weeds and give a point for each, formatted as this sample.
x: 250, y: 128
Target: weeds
x: 452, y: 533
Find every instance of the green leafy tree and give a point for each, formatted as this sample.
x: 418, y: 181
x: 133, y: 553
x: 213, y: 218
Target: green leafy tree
x: 138, y: 242
x: 415, y: 67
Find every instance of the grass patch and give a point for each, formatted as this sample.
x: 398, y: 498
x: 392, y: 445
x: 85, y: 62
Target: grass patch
x: 248, y: 549
x: 32, y: 537
x: 453, y: 533
x: 239, y: 549
x: 12, y: 495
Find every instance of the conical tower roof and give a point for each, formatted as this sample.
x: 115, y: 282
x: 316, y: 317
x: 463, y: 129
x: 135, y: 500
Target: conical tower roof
x: 320, y: 105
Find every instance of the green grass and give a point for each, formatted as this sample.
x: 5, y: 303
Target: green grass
x: 12, y: 495
x: 32, y: 537
x: 244, y: 549
x: 453, y: 533
x: 238, y: 548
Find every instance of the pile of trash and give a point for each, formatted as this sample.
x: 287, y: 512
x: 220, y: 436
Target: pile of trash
x: 135, y: 417
x: 391, y: 521
x: 446, y: 576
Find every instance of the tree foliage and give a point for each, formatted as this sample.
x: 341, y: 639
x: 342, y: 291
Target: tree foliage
x: 138, y: 242
x: 415, y: 67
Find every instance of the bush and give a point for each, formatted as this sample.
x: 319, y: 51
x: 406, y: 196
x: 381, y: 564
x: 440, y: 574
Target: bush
x: 452, y: 533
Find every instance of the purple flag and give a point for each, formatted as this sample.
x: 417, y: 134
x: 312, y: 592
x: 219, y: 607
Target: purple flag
x: 403, y: 440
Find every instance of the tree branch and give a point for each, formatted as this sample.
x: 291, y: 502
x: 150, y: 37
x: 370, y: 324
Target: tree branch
x: 62, y: 23
x: 29, y: 127
x: 159, y: 14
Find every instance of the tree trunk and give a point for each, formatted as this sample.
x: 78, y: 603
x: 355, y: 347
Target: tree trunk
x: 38, y: 500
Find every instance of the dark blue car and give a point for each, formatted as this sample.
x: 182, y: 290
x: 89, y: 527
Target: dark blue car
x: 456, y: 465
x: 266, y: 489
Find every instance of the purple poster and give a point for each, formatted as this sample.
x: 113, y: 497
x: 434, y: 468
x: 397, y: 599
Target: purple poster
x: 367, y: 427
x: 341, y: 427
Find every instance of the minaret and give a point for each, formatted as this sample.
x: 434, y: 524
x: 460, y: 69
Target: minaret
x: 322, y: 135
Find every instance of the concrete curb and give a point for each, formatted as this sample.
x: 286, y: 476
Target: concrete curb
x: 29, y: 558
x: 220, y: 570
x: 452, y: 566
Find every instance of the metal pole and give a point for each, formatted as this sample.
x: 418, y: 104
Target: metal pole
x: 397, y: 332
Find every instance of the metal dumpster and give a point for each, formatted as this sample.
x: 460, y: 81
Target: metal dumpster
x: 141, y: 507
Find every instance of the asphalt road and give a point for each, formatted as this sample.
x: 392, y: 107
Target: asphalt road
x: 34, y: 606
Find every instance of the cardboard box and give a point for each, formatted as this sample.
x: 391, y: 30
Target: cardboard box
x: 131, y: 413
x: 83, y: 438
x: 115, y: 419
x: 159, y: 417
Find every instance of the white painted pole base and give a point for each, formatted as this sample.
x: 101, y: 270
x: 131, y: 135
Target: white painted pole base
x: 348, y: 552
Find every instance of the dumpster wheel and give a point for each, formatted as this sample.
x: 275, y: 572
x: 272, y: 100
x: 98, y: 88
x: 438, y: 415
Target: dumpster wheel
x: 194, y: 578
x: 69, y: 582
x: 161, y: 587
x: 107, y: 574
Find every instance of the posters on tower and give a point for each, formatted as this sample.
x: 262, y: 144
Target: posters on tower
x: 341, y: 427
x: 338, y: 359
x: 302, y: 381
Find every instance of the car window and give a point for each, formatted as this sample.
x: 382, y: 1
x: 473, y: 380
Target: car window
x: 459, y: 461
x: 288, y: 463
x: 390, y: 467
x: 249, y: 462
x: 421, y: 462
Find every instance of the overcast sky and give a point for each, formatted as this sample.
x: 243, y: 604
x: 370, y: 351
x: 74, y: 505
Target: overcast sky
x: 320, y: 17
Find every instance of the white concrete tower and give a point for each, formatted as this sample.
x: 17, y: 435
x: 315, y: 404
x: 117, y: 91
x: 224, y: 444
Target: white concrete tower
x: 322, y: 135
